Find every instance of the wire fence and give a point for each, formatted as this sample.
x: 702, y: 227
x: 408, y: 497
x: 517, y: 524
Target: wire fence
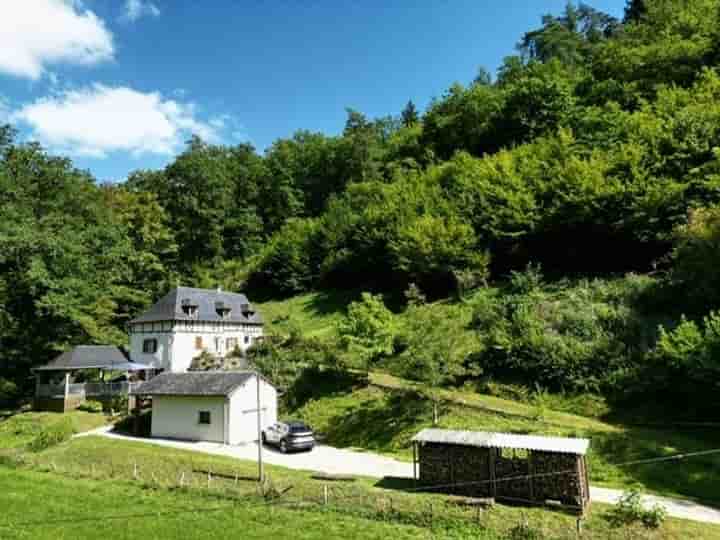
x: 405, y: 503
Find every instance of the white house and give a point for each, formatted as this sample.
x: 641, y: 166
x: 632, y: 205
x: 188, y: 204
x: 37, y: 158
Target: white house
x: 187, y: 321
x: 210, y: 406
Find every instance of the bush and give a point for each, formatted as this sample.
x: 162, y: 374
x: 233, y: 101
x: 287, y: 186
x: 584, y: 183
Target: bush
x: 119, y: 404
x: 91, y: 406
x: 9, y: 391
x: 52, y: 435
x: 629, y: 510
x: 525, y: 531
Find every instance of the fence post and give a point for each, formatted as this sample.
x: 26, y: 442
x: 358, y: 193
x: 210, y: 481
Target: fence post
x: 182, y: 478
x: 135, y: 470
x: 209, y: 478
x: 325, y: 494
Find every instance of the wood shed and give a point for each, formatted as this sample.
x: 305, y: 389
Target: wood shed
x: 521, y: 468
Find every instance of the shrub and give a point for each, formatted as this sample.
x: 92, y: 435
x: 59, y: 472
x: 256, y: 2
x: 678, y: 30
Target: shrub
x: 52, y: 435
x: 630, y: 510
x: 119, y: 404
x: 525, y: 531
x: 91, y: 406
x: 8, y: 391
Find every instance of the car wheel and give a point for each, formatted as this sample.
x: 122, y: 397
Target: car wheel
x: 283, y: 447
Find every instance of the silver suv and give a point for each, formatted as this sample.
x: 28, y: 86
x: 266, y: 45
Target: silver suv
x: 291, y: 435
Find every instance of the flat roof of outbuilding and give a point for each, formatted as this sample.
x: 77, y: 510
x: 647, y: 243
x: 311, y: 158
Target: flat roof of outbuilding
x: 489, y: 439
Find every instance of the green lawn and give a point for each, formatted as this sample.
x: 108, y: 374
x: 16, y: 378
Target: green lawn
x: 39, y: 506
x: 314, y: 314
x: 385, y: 415
x: 94, y: 475
x: 19, y: 429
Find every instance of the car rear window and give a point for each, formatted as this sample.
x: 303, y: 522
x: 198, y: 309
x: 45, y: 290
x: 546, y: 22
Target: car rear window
x: 298, y: 428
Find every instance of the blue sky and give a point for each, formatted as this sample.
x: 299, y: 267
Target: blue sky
x: 120, y: 84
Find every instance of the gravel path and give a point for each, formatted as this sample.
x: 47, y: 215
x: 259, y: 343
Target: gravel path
x: 332, y: 460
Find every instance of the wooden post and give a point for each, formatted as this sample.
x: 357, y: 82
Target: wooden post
x: 491, y: 467
x: 415, y: 452
x: 531, y: 472
x: 325, y: 494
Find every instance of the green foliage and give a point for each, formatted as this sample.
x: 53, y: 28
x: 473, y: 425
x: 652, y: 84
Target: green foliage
x: 91, y: 406
x: 630, y: 510
x: 437, y: 349
x: 525, y: 531
x: 685, y: 362
x: 368, y: 329
x: 697, y: 256
x: 9, y: 391
x: 288, y: 263
x: 574, y: 337
x: 52, y: 434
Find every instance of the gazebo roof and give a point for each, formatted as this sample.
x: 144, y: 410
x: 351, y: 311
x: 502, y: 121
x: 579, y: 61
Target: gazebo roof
x: 93, y: 357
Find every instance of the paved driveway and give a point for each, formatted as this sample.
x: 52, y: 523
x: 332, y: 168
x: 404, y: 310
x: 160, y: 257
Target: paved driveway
x: 332, y: 460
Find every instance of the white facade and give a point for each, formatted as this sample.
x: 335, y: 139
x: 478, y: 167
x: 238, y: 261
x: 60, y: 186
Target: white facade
x: 232, y: 419
x: 178, y: 342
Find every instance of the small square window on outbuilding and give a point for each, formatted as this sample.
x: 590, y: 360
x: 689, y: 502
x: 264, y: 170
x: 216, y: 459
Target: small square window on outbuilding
x: 204, y: 417
x: 150, y: 346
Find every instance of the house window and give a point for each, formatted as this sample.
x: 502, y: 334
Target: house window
x: 149, y: 346
x: 218, y: 344
x: 203, y: 417
x: 198, y: 343
x: 231, y: 343
x: 246, y: 339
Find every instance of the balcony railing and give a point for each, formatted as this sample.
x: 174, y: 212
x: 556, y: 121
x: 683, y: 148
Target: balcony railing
x: 85, y: 389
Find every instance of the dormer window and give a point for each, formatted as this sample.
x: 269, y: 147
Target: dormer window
x: 222, y: 309
x: 247, y: 310
x: 189, y: 307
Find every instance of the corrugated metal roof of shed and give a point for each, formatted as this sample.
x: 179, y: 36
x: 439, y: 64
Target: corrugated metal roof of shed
x: 489, y: 439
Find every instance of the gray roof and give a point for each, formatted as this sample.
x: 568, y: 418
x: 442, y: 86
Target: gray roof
x: 169, y: 307
x: 488, y: 439
x: 90, y: 357
x: 201, y: 383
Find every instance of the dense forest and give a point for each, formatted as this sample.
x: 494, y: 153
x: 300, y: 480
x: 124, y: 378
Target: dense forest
x: 572, y: 199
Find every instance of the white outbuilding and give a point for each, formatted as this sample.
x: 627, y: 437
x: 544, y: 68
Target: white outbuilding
x: 215, y: 406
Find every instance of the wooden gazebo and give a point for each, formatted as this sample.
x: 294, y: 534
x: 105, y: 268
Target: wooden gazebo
x: 521, y: 468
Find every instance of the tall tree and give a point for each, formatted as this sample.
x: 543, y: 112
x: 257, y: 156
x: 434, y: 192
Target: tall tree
x: 409, y: 115
x: 438, y: 345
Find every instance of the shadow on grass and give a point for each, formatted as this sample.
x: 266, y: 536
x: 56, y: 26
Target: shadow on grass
x: 695, y: 477
x: 376, y: 423
x: 315, y: 383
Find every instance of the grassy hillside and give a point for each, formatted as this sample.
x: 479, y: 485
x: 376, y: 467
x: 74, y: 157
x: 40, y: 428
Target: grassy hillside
x: 384, y: 415
x: 102, y: 469
x: 18, y: 430
x: 313, y: 314
x: 46, y: 507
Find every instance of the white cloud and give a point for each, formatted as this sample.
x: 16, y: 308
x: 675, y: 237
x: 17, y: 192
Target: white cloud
x: 35, y: 33
x: 134, y: 9
x: 99, y: 119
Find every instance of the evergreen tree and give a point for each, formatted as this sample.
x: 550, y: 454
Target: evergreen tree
x: 409, y: 116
